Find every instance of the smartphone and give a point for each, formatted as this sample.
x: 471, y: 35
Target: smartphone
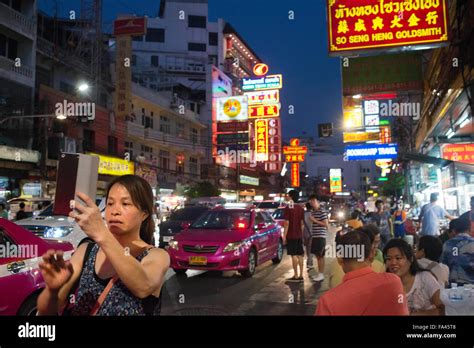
x: 76, y: 172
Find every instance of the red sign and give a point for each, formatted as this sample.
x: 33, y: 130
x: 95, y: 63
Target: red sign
x: 270, y: 110
x: 295, y: 174
x: 232, y: 127
x: 294, y: 158
x: 459, y: 153
x: 130, y: 26
x: 368, y: 24
x: 260, y: 69
x: 385, y: 135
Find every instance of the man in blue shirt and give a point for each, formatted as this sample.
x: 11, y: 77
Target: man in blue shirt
x: 430, y: 215
x: 458, y: 254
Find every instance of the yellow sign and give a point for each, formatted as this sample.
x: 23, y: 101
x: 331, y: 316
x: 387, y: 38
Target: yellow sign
x: 114, y: 166
x: 335, y: 180
x: 360, y: 137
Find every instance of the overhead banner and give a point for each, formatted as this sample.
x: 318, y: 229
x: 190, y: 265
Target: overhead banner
x: 248, y: 180
x: 383, y: 24
x: 371, y: 152
x: 232, y: 108
x: 232, y: 138
x: 114, y: 166
x: 459, y: 153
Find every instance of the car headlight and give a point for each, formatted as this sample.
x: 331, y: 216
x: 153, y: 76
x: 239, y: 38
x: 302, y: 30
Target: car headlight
x: 233, y: 246
x: 57, y: 232
x: 173, y: 244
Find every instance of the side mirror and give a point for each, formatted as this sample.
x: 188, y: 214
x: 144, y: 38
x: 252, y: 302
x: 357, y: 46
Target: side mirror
x: 185, y: 225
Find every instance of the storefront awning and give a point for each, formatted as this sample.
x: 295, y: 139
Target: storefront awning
x: 418, y: 157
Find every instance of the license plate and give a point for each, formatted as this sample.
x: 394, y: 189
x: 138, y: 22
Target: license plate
x: 198, y: 260
x: 167, y: 238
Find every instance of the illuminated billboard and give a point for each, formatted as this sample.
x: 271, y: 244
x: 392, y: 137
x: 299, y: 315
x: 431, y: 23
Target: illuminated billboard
x: 232, y: 108
x: 267, y: 110
x: 371, y: 152
x: 267, y: 82
x: 368, y: 24
x: 271, y: 96
x: 261, y: 140
x: 335, y: 180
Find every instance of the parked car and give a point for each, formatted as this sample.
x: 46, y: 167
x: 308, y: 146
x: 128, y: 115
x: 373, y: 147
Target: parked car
x: 49, y: 225
x: 210, y: 202
x: 270, y: 206
x: 227, y: 239
x: 279, y: 216
x: 20, y: 279
x: 177, y: 220
x: 31, y: 205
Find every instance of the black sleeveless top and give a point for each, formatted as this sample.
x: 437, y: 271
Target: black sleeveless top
x: 118, y: 302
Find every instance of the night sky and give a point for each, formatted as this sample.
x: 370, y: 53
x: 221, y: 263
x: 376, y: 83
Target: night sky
x: 295, y: 48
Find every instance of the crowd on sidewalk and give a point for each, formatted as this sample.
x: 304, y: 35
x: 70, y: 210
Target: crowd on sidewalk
x: 378, y: 270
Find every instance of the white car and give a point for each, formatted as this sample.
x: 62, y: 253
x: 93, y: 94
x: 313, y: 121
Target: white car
x: 49, y: 226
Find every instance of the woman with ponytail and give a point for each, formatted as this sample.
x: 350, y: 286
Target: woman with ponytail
x: 120, y: 272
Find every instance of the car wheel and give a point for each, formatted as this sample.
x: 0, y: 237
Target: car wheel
x: 251, y: 265
x: 28, y: 308
x: 279, y: 255
x: 179, y: 271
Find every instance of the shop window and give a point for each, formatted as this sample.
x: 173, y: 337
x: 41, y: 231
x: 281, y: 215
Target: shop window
x: 198, y: 47
x: 212, y: 39
x: 112, y: 145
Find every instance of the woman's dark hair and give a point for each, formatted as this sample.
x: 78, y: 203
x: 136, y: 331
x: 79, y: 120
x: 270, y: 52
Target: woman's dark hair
x: 431, y: 246
x: 142, y: 197
x: 407, y: 251
x: 308, y: 206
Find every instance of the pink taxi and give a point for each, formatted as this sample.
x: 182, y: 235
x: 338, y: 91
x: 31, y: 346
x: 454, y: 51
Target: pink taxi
x: 20, y: 279
x: 227, y: 239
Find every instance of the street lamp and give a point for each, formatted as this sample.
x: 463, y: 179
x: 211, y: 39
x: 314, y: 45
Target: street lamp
x: 83, y: 87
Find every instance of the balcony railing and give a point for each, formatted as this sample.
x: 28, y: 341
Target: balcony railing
x: 17, y: 21
x: 21, y: 74
x: 135, y: 130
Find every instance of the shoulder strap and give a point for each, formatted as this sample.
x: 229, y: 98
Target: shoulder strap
x: 103, y: 295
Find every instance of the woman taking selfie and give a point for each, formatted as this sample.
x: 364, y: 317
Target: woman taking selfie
x: 120, y: 272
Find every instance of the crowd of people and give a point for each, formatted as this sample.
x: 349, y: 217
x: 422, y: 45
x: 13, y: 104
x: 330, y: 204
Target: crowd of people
x: 388, y: 273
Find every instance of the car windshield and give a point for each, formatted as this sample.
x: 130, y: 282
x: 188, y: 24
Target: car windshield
x: 222, y: 220
x: 268, y: 205
x: 48, y: 211
x: 186, y: 214
x: 278, y: 214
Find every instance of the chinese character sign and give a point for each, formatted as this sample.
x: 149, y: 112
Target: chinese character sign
x: 261, y: 140
x: 295, y: 174
x: 123, y: 85
x: 368, y: 24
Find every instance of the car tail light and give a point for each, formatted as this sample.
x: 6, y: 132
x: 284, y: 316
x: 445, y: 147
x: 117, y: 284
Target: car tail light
x: 241, y: 225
